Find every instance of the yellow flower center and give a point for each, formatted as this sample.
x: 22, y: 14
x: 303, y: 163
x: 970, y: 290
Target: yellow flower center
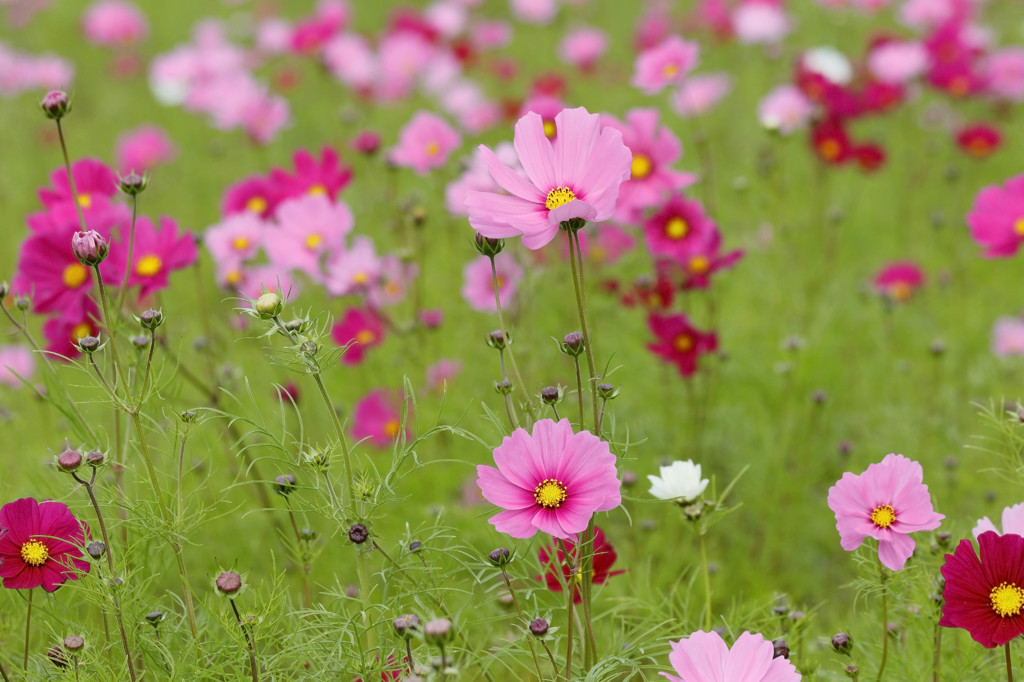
x: 313, y: 241
x: 394, y: 288
x: 883, y: 516
x: 676, y: 228
x: 550, y: 493
x: 829, y: 149
x: 433, y: 149
x: 80, y: 330
x: 699, y: 265
x: 670, y: 70
x: 34, y: 553
x: 317, y: 190
x: 392, y: 427
x: 900, y: 291
x: 149, y: 266
x: 1018, y: 226
x: 683, y: 343
x: 549, y: 129
x: 360, y: 278
x: 256, y: 205
x: 598, y: 254
x: 641, y: 167
x: 75, y: 275
x: 978, y: 147
x: 84, y: 200
x: 1007, y: 599
x: 240, y: 243
x: 559, y: 196
x: 233, y: 277
x: 366, y: 336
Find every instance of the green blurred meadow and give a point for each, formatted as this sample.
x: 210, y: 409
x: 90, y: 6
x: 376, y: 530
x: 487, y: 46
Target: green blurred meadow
x: 816, y: 375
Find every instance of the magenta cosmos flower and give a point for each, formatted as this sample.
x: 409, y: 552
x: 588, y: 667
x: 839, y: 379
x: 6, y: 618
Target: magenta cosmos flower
x: 679, y: 342
x: 552, y: 480
x: 576, y: 175
x: 40, y: 545
x: 665, y: 64
x: 886, y: 502
x: 997, y: 218
x: 360, y: 330
x: 378, y: 418
x: 985, y: 594
x: 705, y: 657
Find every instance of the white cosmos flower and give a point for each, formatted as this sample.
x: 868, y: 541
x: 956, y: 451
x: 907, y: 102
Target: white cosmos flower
x: 678, y: 480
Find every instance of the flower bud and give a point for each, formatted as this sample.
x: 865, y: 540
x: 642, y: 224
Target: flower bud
x: 852, y: 671
x: 268, y: 306
x: 154, y: 618
x: 438, y: 631
x: 307, y: 534
x: 572, y: 344
x: 500, y: 556
x: 298, y: 325
x: 90, y: 248
x: 284, y: 484
x: 58, y: 657
x: 415, y: 546
x: 188, y: 417
x: 498, y: 339
x: 551, y: 395
x: 309, y: 348
x: 503, y: 387
x: 228, y: 583
x: 151, y: 319
x: 56, y: 104
x: 74, y: 643
x: 69, y: 460
x: 538, y: 627
x: 358, y: 533
x: 95, y: 458
x: 781, y: 648
x: 23, y: 303
x: 406, y: 625
x: 487, y: 246
x: 367, y: 142
x: 607, y: 392
x: 5, y: 289
x: 419, y: 215
x: 89, y: 344
x: 842, y: 643
x: 133, y: 184
x: 140, y: 342
x: 96, y: 549
x: 319, y: 461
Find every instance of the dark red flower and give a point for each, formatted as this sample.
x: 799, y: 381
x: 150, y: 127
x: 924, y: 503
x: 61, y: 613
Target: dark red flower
x: 679, y: 342
x: 869, y: 157
x: 830, y: 142
x: 40, y: 545
x: 979, y: 140
x: 985, y: 595
x: 552, y: 558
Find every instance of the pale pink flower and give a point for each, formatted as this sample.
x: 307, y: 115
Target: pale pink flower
x: 887, y: 502
x: 607, y: 245
x: 401, y: 58
x: 476, y: 177
x: 425, y: 143
x: 547, y: 107
x: 15, y: 362
x: 926, y: 14
x: 760, y: 23
x: 353, y: 270
x: 351, y: 60
x: 1013, y: 522
x: 583, y: 46
x: 447, y: 17
x: 258, y: 279
x: 114, y: 23
x: 895, y: 63
x: 490, y: 34
x: 705, y: 657
x: 143, y: 149
x: 785, y: 109
x: 274, y: 36
x: 478, y: 283
x: 1008, y: 337
x: 553, y: 480
x: 441, y: 373
x: 700, y: 93
x: 392, y: 282
x: 534, y: 11
x: 238, y: 237
x: 575, y: 176
x: 665, y: 64
x: 1003, y: 71
x: 310, y: 227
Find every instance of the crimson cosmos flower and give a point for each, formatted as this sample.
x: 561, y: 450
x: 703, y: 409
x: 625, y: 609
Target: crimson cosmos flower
x: 40, y: 545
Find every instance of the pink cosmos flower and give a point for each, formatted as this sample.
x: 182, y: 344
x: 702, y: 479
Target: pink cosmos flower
x: 605, y: 247
x: 552, y: 480
x: 478, y: 284
x: 1008, y: 337
x: 392, y: 282
x: 490, y: 34
x: 441, y: 373
x: 1013, y: 522
x: 548, y: 107
x: 678, y: 223
x: 1003, y: 71
x: 897, y: 63
x: 94, y: 182
x: 583, y: 46
x: 785, y: 109
x: 425, y: 143
x: 16, y: 361
x: 254, y: 194
x: 476, y: 177
x: 655, y: 148
x: 157, y: 253
x: 997, y: 218
x: 700, y: 93
x: 887, y: 502
x: 311, y: 33
x: 40, y: 545
x: 326, y: 176
x: 575, y: 176
x: 377, y: 418
x: 760, y: 23
x: 143, y: 149
x: 64, y: 331
x: 236, y: 238
x: 114, y: 23
x: 355, y: 270
x: 310, y: 227
x: 679, y: 342
x: 534, y: 11
x: 351, y: 60
x: 665, y: 64
x: 705, y: 657
x: 50, y: 274
x: 899, y: 280
x: 360, y: 329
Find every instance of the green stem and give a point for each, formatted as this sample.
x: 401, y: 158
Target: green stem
x: 1009, y: 664
x: 579, y: 389
x: 119, y: 374
x: 707, y: 584
x: 937, y: 660
x: 570, y: 617
x: 586, y: 573
x: 249, y: 643
x: 71, y: 177
x: 885, y: 625
x: 576, y: 260
x: 504, y: 331
x: 551, y: 657
x: 28, y: 629
x: 128, y: 267
x: 523, y: 622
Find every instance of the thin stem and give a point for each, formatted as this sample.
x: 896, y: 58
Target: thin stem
x: 108, y: 321
x: 28, y: 629
x: 504, y: 331
x: 3, y: 673
x: 408, y: 653
x: 937, y: 660
x: 554, y: 409
x: 71, y: 177
x: 249, y: 643
x: 306, y: 567
x: 551, y: 657
x: 586, y: 574
x: 131, y: 251
x: 1009, y: 664
x: 510, y: 409
x: 106, y: 384
x: 707, y: 584
x: 149, y: 364
x: 576, y: 261
x: 885, y: 625
x: 570, y: 591
x: 579, y: 389
x: 523, y: 622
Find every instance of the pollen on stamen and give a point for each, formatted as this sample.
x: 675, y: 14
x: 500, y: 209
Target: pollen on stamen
x: 34, y: 553
x: 550, y: 493
x: 676, y: 228
x: 149, y: 266
x: 84, y: 200
x: 641, y: 167
x: 559, y: 196
x: 256, y: 204
x: 313, y: 241
x: 683, y: 343
x: 75, y: 275
x: 883, y: 516
x: 1007, y: 600
x: 1018, y: 227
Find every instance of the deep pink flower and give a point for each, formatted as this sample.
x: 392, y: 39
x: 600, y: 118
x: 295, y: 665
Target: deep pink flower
x: 679, y: 342
x: 984, y: 593
x: 157, y: 253
x: 705, y: 657
x: 325, y: 176
x: 478, y: 283
x: 378, y: 418
x: 679, y: 222
x: 887, y: 502
x: 1012, y: 519
x: 143, y: 149
x: 15, y: 362
x: 979, y: 140
x: 575, y: 176
x: 360, y: 330
x: 114, y: 23
x: 311, y: 33
x: 700, y: 259
x: 40, y: 545
x: 255, y: 194
x: 552, y: 480
x: 49, y: 272
x: 95, y: 183
x: 554, y: 561
x: 425, y: 143
x: 899, y: 280
x: 65, y: 330
x: 997, y: 218
x: 665, y: 64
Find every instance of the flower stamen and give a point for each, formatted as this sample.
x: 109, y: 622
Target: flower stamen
x: 550, y: 493
x: 1007, y: 600
x: 883, y: 516
x: 34, y: 553
x: 559, y: 196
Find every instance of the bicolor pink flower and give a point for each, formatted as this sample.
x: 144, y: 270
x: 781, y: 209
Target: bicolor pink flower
x: 900, y: 280
x: 665, y: 64
x: 478, y: 283
x: 236, y: 238
x: 15, y: 362
x: 654, y: 148
x: 378, y: 418
x: 143, y: 149
x: 1008, y: 338
x: 997, y: 218
x: 700, y: 93
x: 760, y: 23
x: 552, y: 480
x: 360, y: 330
x: 583, y: 46
x: 785, y: 109
x: 157, y: 253
x: 887, y: 502
x: 679, y: 342
x: 40, y: 545
x: 310, y: 227
x: 1013, y: 522
x: 705, y: 657
x: 326, y: 176
x: 425, y: 143
x: 114, y: 23
x: 896, y: 63
x: 575, y: 176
